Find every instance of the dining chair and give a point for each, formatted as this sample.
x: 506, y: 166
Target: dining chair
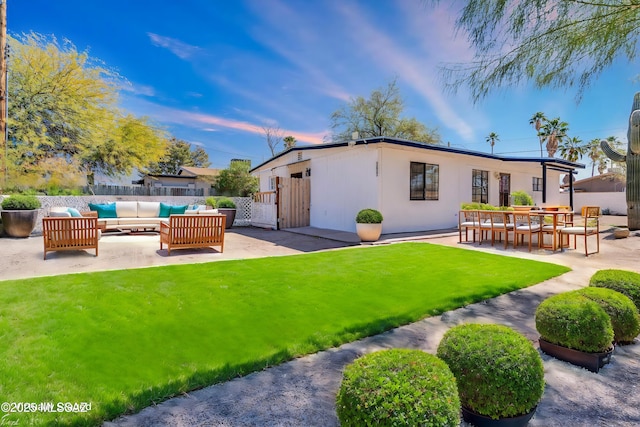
x: 500, y: 224
x: 468, y: 220
x: 526, y: 225
x: 590, y: 227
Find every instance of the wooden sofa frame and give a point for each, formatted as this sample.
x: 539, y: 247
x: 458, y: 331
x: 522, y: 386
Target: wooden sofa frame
x: 70, y: 233
x: 193, y: 231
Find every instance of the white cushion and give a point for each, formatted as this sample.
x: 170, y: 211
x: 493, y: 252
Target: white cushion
x: 60, y: 214
x: 148, y: 209
x: 578, y: 230
x: 127, y: 209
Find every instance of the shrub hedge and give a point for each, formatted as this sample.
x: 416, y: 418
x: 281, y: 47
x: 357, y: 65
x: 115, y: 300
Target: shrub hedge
x: 623, y: 281
x: 621, y: 310
x: 499, y: 372
x: 21, y: 201
x: 398, y: 387
x: 573, y: 321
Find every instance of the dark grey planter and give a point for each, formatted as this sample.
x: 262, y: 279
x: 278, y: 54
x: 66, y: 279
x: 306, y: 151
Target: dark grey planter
x: 590, y: 361
x: 19, y: 223
x: 230, y: 214
x: 484, y: 421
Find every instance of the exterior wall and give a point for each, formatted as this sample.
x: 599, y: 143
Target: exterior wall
x: 616, y: 202
x: 346, y: 179
x: 404, y: 215
x: 343, y: 183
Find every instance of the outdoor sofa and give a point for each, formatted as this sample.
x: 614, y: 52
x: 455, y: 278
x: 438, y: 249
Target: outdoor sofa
x: 134, y: 215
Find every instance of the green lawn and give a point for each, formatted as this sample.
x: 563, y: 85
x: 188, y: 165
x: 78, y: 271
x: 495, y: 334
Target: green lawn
x: 124, y: 339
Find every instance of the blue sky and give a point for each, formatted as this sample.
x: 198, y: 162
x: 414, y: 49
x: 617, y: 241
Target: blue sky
x: 214, y: 72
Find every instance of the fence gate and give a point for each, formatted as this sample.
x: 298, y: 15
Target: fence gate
x: 293, y: 199
x: 264, y: 211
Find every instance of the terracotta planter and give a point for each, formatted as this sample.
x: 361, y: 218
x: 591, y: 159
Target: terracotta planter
x: 19, y: 223
x: 230, y: 214
x: 590, y: 361
x: 369, y: 232
x: 483, y: 421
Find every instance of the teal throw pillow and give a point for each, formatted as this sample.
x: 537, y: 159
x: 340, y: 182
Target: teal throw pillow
x: 178, y: 210
x: 104, y: 210
x: 74, y: 212
x: 165, y: 210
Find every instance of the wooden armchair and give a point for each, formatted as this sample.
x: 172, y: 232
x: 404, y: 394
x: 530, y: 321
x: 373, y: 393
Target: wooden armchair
x: 70, y: 234
x: 193, y: 231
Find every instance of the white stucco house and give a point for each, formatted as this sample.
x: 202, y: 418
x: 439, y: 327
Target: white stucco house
x: 416, y: 186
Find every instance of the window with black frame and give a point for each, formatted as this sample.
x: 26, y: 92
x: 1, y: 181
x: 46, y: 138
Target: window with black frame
x: 537, y: 184
x: 480, y: 186
x: 424, y: 181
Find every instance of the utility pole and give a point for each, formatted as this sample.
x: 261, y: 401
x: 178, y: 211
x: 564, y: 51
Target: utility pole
x: 3, y: 86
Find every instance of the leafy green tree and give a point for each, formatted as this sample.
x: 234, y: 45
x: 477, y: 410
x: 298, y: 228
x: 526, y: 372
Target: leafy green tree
x: 572, y: 149
x: 491, y: 139
x: 554, y: 131
x: 552, y: 43
x: 379, y: 116
x: 236, y: 180
x: 289, y: 142
x: 179, y: 153
x: 63, y: 115
x: 536, y: 121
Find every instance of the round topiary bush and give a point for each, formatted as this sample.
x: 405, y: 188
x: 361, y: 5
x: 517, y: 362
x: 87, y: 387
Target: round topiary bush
x: 623, y: 281
x: 573, y: 321
x: 499, y: 372
x: 369, y: 216
x: 398, y: 387
x: 623, y: 313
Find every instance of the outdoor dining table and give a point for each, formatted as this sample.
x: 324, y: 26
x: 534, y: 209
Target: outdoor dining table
x: 555, y: 214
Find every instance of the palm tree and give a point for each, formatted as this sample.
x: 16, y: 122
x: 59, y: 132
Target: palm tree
x: 537, y: 121
x: 595, y: 154
x: 554, y: 131
x: 572, y: 149
x: 492, y: 138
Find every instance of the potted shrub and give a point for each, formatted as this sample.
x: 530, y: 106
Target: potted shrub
x: 227, y: 207
x: 623, y: 313
x: 369, y: 225
x: 398, y: 387
x: 19, y: 214
x: 210, y: 202
x: 499, y: 373
x: 521, y: 201
x: 575, y: 329
x: 623, y: 281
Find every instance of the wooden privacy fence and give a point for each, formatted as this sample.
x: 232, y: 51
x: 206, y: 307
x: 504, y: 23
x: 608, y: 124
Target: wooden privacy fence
x: 294, y: 199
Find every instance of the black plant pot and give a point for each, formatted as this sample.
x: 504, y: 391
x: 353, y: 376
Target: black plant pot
x: 19, y: 223
x: 590, y: 361
x: 230, y: 214
x: 483, y: 421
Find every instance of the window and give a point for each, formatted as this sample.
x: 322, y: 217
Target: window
x: 424, y: 181
x: 537, y: 184
x: 480, y: 186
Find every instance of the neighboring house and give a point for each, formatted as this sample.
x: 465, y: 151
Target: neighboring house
x: 188, y: 177
x: 605, y: 183
x: 416, y: 186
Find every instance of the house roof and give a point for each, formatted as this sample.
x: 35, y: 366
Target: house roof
x: 562, y: 164
x: 607, y: 176
x: 194, y: 171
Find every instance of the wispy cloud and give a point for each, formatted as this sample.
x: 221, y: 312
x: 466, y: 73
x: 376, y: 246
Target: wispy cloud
x: 411, y: 67
x: 138, y: 89
x: 180, y: 49
x: 213, y: 123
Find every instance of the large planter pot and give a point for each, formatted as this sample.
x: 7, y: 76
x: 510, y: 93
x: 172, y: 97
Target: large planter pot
x: 484, y: 421
x: 230, y: 214
x: 19, y: 223
x: 369, y: 232
x: 590, y: 361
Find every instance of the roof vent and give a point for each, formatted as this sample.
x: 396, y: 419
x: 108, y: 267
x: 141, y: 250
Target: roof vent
x: 299, y: 155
